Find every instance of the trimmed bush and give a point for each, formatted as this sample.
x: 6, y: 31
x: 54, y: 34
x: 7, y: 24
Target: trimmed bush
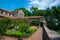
x: 35, y: 22
x: 23, y: 27
x: 13, y: 32
x: 31, y: 29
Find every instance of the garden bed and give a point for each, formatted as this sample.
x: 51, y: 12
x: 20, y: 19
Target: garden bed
x: 20, y: 28
x: 21, y: 32
x: 37, y: 35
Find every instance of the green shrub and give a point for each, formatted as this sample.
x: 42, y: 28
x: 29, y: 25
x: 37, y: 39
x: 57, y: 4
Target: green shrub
x: 3, y: 28
x: 58, y: 31
x: 52, y: 25
x: 31, y: 29
x: 20, y: 31
x: 35, y: 22
x: 4, y: 24
x: 23, y: 27
x: 16, y: 33
x: 13, y: 32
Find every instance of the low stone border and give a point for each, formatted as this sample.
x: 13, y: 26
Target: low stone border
x: 51, y: 35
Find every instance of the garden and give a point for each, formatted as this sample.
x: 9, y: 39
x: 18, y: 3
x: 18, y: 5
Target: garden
x: 52, y: 16
x: 18, y: 27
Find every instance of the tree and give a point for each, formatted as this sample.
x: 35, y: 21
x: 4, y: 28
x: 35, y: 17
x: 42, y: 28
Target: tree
x: 54, y: 15
x: 34, y: 10
x: 41, y: 13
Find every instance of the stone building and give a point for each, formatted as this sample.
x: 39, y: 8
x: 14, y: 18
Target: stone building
x: 12, y: 13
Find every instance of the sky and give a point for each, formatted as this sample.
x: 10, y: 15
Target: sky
x: 41, y: 4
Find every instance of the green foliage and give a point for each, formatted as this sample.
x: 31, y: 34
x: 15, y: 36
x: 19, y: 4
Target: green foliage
x: 34, y: 10
x: 17, y: 21
x: 6, y: 23
x: 16, y: 33
x: 23, y: 31
x: 31, y: 29
x: 2, y: 28
x: 3, y: 24
x: 52, y: 25
x: 58, y: 31
x: 23, y: 27
x: 50, y: 15
x: 53, y: 14
x: 35, y: 22
x: 7, y: 26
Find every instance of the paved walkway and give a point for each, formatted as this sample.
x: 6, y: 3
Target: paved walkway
x: 36, y: 36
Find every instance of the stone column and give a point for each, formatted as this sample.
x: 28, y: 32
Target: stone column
x: 4, y: 13
x: 0, y: 11
x: 8, y: 14
x: 11, y: 15
x: 41, y: 22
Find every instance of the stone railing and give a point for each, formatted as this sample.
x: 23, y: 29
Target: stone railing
x: 52, y: 35
x: 49, y: 34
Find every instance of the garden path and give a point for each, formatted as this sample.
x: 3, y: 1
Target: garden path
x: 37, y: 35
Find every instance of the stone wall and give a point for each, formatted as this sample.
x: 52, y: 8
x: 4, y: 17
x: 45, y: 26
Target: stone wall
x: 49, y: 34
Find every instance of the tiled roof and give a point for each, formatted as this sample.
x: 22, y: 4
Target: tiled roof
x: 34, y: 17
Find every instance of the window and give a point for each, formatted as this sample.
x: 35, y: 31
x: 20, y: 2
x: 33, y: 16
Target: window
x: 1, y: 12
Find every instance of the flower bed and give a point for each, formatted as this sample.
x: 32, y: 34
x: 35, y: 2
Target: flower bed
x: 21, y: 33
x: 18, y: 27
